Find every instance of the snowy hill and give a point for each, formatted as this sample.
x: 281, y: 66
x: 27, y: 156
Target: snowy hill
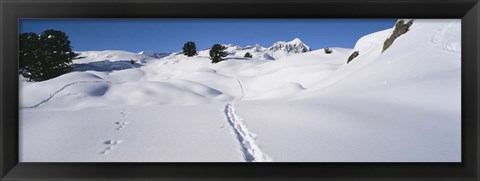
x: 110, y: 55
x: 402, y: 105
x: 398, y: 103
x: 153, y: 54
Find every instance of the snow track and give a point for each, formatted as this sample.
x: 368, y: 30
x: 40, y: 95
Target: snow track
x: 241, y: 87
x: 60, y: 90
x: 251, y: 151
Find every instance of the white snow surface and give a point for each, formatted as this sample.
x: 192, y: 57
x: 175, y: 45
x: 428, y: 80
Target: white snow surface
x: 402, y: 105
x: 110, y: 56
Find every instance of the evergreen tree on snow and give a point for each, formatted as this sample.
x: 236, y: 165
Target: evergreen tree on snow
x: 189, y: 49
x: 29, y: 45
x: 45, y: 56
x: 217, y: 53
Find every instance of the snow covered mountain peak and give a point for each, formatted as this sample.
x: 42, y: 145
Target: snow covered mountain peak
x: 281, y: 48
x: 295, y: 41
x: 278, y: 50
x: 255, y: 48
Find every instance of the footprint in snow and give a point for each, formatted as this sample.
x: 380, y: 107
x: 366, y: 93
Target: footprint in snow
x: 120, y: 125
x: 124, y: 113
x: 110, y: 145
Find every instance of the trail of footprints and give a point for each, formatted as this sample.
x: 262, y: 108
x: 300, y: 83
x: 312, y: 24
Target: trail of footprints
x: 111, y: 144
x: 123, y: 113
x: 121, y: 125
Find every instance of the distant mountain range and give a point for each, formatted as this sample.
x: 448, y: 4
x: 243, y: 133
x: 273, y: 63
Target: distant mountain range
x: 276, y: 51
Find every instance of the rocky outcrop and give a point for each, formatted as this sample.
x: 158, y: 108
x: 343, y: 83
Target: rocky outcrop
x: 400, y: 28
x: 352, y: 56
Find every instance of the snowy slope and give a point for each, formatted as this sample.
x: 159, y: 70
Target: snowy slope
x: 108, y: 60
x: 110, y: 55
x: 402, y: 105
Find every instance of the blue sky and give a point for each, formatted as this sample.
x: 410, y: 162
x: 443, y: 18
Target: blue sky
x: 169, y: 35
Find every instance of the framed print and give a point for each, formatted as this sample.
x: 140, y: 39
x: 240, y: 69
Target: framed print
x: 116, y: 105
x: 196, y: 90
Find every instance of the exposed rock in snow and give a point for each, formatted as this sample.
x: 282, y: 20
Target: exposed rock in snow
x: 400, y: 28
x: 354, y: 54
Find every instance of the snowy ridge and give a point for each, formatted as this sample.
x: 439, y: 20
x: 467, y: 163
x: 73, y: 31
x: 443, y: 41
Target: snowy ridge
x: 43, y: 102
x: 153, y: 54
x: 110, y: 56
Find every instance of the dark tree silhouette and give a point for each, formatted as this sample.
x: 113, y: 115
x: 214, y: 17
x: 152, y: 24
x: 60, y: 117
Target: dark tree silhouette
x: 248, y: 55
x: 47, y: 57
x: 217, y: 53
x: 190, y: 49
x: 29, y: 45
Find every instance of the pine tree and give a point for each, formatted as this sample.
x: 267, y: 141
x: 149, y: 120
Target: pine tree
x: 189, y: 49
x: 29, y: 45
x: 217, y: 53
x: 50, y: 57
x: 248, y: 55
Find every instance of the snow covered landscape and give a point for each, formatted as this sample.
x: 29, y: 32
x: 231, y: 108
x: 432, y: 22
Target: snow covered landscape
x: 287, y: 103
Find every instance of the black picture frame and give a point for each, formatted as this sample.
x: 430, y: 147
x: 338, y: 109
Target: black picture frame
x: 11, y: 11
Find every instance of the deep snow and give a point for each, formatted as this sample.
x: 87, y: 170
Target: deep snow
x: 402, y: 105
